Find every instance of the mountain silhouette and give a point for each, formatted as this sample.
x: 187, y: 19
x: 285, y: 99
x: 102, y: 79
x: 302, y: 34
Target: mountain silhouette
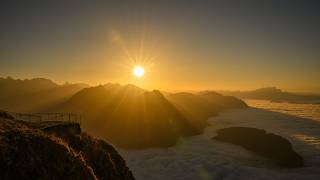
x: 131, y: 117
x: 198, y: 107
x: 24, y: 86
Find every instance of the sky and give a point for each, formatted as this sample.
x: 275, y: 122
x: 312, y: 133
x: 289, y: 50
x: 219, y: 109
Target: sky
x: 183, y: 45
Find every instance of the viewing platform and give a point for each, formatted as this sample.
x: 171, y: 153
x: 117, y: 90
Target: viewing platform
x: 43, y: 117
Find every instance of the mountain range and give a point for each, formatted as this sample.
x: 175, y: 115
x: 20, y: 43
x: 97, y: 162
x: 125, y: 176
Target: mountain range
x: 125, y: 115
x: 32, y: 95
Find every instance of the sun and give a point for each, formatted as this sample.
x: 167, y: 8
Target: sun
x: 138, y: 71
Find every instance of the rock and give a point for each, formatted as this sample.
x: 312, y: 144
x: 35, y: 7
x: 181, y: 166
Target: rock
x: 265, y: 144
x: 99, y: 155
x: 31, y: 155
x: 60, y: 152
x: 64, y: 128
x: 5, y: 115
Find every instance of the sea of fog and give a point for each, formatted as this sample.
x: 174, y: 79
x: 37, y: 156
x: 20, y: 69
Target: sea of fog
x: 199, y: 157
x: 311, y: 111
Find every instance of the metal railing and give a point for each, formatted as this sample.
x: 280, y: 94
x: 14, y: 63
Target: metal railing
x: 46, y: 117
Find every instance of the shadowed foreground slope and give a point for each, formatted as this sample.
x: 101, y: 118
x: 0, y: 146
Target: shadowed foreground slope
x: 30, y: 151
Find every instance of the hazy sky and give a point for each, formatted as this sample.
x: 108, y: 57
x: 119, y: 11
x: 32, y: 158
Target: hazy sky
x: 182, y: 44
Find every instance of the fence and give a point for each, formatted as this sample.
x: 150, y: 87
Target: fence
x: 45, y: 117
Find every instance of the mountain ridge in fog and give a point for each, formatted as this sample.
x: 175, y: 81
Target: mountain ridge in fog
x: 275, y: 94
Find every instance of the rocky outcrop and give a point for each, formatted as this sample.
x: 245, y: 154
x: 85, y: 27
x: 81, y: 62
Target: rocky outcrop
x: 265, y: 144
x: 98, y: 154
x: 59, y: 152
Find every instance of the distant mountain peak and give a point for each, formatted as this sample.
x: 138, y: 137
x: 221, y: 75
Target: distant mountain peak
x: 268, y: 89
x: 10, y: 79
x: 132, y: 86
x: 208, y: 92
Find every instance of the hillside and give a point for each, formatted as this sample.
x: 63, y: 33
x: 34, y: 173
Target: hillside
x: 131, y: 117
x: 274, y: 94
x: 31, y: 151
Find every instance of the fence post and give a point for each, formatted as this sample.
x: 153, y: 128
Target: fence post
x: 43, y: 117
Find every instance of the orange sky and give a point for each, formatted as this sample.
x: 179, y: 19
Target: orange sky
x: 191, y: 46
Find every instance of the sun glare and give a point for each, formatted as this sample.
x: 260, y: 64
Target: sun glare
x: 138, y: 71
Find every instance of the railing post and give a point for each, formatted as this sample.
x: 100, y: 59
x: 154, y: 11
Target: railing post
x: 42, y: 117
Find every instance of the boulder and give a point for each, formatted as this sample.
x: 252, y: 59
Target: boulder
x: 262, y: 143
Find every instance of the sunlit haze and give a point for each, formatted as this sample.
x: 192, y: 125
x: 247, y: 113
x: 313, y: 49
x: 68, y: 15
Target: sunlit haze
x: 192, y: 45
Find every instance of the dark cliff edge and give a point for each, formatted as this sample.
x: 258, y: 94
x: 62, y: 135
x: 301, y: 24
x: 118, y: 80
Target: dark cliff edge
x: 63, y: 151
